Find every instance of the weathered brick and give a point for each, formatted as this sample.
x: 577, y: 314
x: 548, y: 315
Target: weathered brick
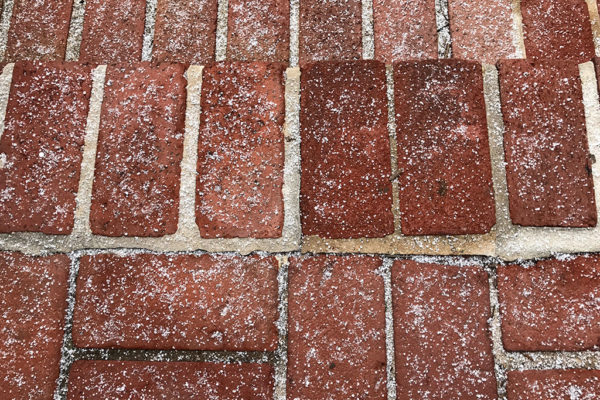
x: 551, y: 306
x: 548, y: 165
x: 336, y: 328
x: 33, y: 302
x: 140, y: 146
x: 185, y: 31
x: 443, y: 152
x: 241, y: 151
x: 258, y: 30
x: 441, y: 337
x: 41, y: 147
x: 554, y: 384
x: 113, y: 31
x: 169, y: 380
x: 346, y: 191
x: 146, y: 301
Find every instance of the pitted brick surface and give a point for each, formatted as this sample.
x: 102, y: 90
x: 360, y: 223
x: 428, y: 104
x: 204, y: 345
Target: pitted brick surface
x: 554, y: 384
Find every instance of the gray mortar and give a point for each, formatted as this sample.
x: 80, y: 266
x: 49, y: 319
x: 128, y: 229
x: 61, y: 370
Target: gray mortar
x: 75, y: 30
x: 368, y: 44
x: 442, y: 19
x: 282, y: 328
x: 149, y: 26
x: 294, y: 32
x: 222, y: 22
x: 391, y: 125
x: 595, y: 21
x: 5, y: 81
x: 5, y: 25
x: 518, y: 39
x: 386, y: 273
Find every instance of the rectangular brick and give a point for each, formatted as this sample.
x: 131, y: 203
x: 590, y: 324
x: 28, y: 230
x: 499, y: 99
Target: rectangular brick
x: 41, y: 147
x: 346, y: 190
x: 548, y: 164
x: 241, y: 151
x: 441, y: 336
x: 140, y: 147
x: 169, y: 380
x: 147, y: 301
x: 575, y: 384
x: 336, y: 328
x: 443, y: 152
x: 33, y: 302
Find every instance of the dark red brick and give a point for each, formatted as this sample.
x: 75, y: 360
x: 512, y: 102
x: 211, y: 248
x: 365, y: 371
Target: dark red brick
x: 441, y: 337
x: 33, y: 302
x: 113, y: 31
x: 575, y: 384
x: 548, y: 164
x: 443, y: 152
x: 41, y: 147
x: 140, y: 147
x: 258, y: 30
x: 169, y: 380
x: 551, y: 306
x: 336, y: 328
x: 241, y: 151
x: 346, y: 191
x: 185, y: 31
x: 557, y: 30
x: 148, y: 301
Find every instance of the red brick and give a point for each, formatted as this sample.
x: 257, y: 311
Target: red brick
x: 336, y: 328
x: 441, y: 337
x: 113, y: 31
x: 140, y: 147
x: 241, y: 151
x: 554, y: 384
x: 551, y: 306
x: 259, y: 30
x: 41, y: 147
x: 169, y: 380
x: 185, y: 31
x: 443, y: 152
x: 38, y: 30
x: 33, y: 301
x: 147, y: 301
x: 549, y: 168
x: 557, y: 30
x: 330, y: 30
x: 345, y: 190
x: 404, y: 30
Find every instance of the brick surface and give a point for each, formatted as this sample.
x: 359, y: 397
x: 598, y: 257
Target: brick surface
x: 345, y: 190
x: 33, y: 301
x: 441, y: 337
x: 140, y: 146
x: 169, y: 380
x: 185, y: 31
x: 443, y: 152
x: 258, y: 30
x: 549, y: 169
x: 336, y: 328
x: 147, y: 301
x: 113, y: 31
x: 557, y: 30
x: 41, y: 147
x: 554, y: 384
x: 551, y: 306
x: 241, y: 151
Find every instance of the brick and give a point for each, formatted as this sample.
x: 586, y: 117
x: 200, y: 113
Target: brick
x: 548, y: 164
x: 346, y: 191
x: 140, y: 147
x: 557, y: 30
x: 147, y: 301
x: 169, y: 380
x: 41, y: 147
x: 336, y: 328
x: 38, y: 30
x: 33, y: 302
x: 443, y: 152
x: 330, y: 30
x: 113, y: 31
x: 258, y: 30
x: 553, y: 384
x: 241, y: 151
x: 551, y: 306
x: 185, y: 31
x: 442, y: 342
x: 404, y: 30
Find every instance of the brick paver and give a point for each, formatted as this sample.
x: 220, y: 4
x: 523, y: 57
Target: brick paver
x: 554, y: 384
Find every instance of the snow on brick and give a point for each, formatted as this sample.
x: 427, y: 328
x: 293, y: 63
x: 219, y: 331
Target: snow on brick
x: 554, y: 384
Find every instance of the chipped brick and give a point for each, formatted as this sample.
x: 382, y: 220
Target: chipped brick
x: 554, y: 384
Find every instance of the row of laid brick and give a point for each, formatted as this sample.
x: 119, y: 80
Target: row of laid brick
x: 336, y: 328
x: 185, y: 31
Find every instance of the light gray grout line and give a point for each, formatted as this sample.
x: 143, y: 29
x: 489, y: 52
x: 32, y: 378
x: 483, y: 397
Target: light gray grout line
x: 5, y: 83
x: 149, y: 30
x: 222, y: 21
x: 5, y: 26
x: 368, y: 43
x: 595, y: 22
x: 294, y: 32
x: 75, y: 30
x: 389, y: 75
x: 389, y: 329
x: 280, y: 391
x: 518, y: 38
x: 500, y: 360
x: 442, y: 19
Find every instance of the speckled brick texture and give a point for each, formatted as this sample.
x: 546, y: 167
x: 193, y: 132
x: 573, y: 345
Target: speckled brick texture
x: 554, y: 384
